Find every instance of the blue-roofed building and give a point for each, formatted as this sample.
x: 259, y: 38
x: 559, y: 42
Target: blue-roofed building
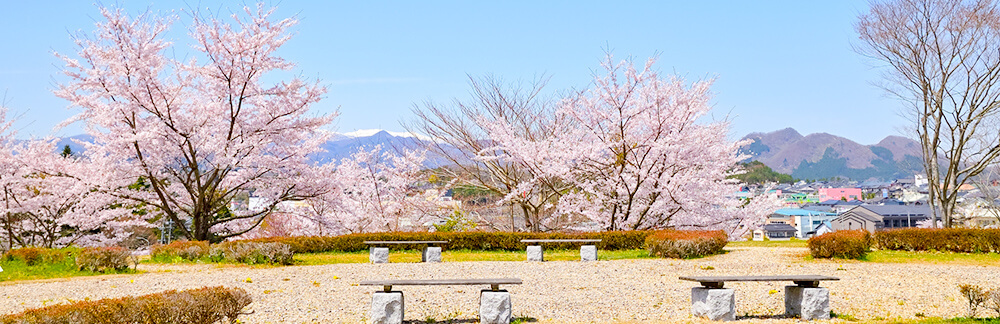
x: 804, y: 220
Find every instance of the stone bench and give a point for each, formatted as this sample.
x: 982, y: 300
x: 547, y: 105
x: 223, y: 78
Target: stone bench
x: 805, y: 300
x: 587, y: 252
x: 494, y: 304
x: 378, y: 252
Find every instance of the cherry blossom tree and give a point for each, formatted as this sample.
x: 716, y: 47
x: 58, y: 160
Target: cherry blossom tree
x: 375, y: 194
x: 55, y: 207
x: 196, y: 133
x: 636, y: 154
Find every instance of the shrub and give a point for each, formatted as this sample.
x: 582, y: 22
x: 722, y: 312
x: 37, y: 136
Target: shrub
x: 964, y: 240
x: 197, y: 306
x: 853, y: 244
x: 252, y: 252
x: 102, y: 259
x: 34, y: 255
x: 480, y: 241
x: 993, y: 300
x: 685, y: 244
x: 187, y: 250
x: 975, y: 295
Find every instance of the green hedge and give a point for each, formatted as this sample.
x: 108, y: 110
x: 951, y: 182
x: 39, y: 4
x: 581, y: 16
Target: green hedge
x: 197, y: 306
x: 484, y: 241
x: 965, y: 240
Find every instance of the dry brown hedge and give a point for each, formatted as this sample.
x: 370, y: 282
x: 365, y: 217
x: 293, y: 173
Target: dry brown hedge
x: 479, y: 241
x: 846, y: 244
x: 34, y: 255
x: 964, y: 240
x: 102, y: 259
x: 197, y: 306
x: 187, y: 250
x: 685, y: 244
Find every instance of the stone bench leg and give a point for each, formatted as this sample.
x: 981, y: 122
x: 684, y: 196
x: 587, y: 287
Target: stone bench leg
x: 431, y: 254
x: 713, y: 304
x: 378, y: 255
x: 494, y: 307
x: 588, y: 253
x: 535, y: 253
x: 387, y: 308
x: 807, y: 303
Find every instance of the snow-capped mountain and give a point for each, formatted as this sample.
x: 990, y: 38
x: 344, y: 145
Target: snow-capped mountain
x: 340, y: 145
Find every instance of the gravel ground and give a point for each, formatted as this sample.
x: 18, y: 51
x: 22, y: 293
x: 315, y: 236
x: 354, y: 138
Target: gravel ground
x: 560, y: 292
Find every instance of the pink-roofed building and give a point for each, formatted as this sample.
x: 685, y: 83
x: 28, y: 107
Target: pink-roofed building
x: 839, y: 193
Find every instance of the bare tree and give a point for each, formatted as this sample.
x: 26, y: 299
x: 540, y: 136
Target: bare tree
x: 989, y: 193
x: 458, y: 136
x: 943, y: 60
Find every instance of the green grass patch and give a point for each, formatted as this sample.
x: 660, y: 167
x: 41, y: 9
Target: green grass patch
x: 773, y: 243
x: 889, y: 256
x: 63, y: 268
x: 411, y: 256
x: 957, y: 320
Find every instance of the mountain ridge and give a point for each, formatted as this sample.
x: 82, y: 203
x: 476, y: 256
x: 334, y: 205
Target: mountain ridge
x: 823, y: 155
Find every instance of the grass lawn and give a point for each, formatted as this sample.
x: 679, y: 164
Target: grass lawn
x: 18, y: 270
x: 412, y: 256
x: 888, y: 256
x: 957, y: 320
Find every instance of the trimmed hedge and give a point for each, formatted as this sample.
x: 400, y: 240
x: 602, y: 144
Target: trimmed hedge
x: 964, y: 240
x: 197, y: 306
x: 102, y: 259
x: 187, y: 250
x: 853, y: 244
x: 685, y: 244
x: 35, y: 255
x: 251, y: 252
x: 483, y: 241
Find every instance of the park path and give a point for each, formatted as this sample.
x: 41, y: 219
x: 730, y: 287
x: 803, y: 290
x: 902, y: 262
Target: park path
x: 644, y: 290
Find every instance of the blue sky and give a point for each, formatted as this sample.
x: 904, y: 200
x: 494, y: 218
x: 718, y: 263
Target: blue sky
x: 777, y: 64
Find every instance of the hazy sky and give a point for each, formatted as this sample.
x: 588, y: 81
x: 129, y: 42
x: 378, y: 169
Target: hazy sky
x: 777, y: 64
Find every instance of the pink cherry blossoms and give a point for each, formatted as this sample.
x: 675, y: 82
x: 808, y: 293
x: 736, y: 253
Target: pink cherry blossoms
x: 196, y: 133
x: 636, y: 154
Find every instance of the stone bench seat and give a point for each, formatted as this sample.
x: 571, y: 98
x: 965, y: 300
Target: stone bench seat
x: 378, y: 252
x: 805, y: 299
x: 494, y: 304
x: 588, y: 252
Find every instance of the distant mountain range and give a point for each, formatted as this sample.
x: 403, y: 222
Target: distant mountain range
x: 814, y: 156
x: 338, y: 147
x: 821, y: 155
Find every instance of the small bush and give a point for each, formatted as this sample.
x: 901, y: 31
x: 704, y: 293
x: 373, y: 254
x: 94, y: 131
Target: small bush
x: 252, y: 252
x: 963, y: 240
x: 841, y: 244
x: 685, y: 244
x: 187, y: 250
x: 197, y: 306
x: 34, y: 255
x: 975, y: 295
x: 993, y: 300
x: 102, y: 259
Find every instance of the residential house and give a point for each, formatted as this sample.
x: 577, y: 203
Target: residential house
x: 839, y: 194
x: 779, y: 231
x: 840, y: 206
x: 803, y: 220
x: 876, y: 217
x: 823, y: 228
